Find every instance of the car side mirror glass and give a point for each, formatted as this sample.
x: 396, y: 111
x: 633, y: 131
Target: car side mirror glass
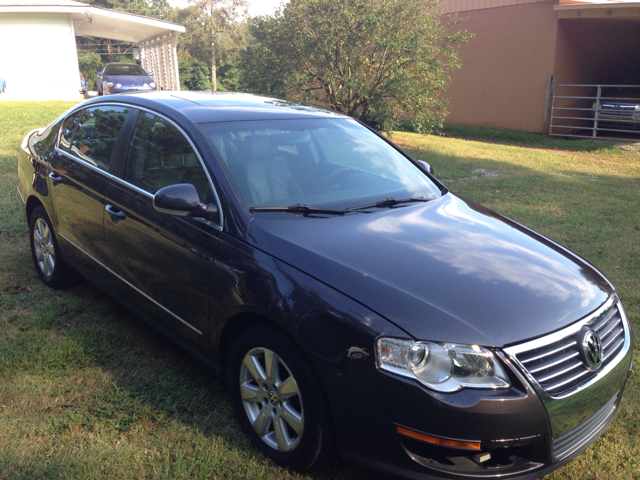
x: 182, y: 199
x: 150, y: 74
x: 425, y: 166
x: 99, y: 74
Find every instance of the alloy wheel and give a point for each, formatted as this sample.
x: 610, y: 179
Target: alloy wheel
x: 43, y: 247
x: 271, y: 399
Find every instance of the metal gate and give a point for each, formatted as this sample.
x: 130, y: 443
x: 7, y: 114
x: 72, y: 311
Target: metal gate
x: 610, y: 112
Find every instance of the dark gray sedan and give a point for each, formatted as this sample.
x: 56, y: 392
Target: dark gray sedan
x: 353, y: 303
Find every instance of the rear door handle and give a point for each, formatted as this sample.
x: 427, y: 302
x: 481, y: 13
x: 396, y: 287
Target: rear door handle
x: 55, y: 177
x: 116, y: 213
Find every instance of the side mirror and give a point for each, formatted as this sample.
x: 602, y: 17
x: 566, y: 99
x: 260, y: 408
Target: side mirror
x: 150, y: 74
x: 182, y: 200
x: 99, y: 74
x: 425, y: 166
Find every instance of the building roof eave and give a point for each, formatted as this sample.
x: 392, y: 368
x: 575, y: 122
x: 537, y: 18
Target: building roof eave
x: 104, y: 23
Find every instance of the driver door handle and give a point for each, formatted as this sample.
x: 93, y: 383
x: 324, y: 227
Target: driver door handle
x: 116, y: 213
x: 55, y: 177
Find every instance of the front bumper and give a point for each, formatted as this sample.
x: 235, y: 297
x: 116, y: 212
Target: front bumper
x: 522, y: 433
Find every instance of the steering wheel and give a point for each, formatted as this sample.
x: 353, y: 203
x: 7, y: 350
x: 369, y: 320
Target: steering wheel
x: 334, y: 179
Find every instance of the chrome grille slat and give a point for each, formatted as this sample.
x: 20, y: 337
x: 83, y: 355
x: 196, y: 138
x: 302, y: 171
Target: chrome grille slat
x: 620, y: 343
x: 612, y: 338
x: 548, y: 353
x: 554, y: 363
x: 559, y: 367
x: 620, y: 330
x: 557, y: 374
x: 553, y: 386
x: 599, y: 325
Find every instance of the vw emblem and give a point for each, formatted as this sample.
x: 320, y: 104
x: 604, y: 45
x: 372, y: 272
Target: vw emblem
x: 591, y: 349
x: 273, y: 398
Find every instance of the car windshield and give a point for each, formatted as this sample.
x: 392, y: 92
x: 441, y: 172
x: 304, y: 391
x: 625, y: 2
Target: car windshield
x: 124, y: 70
x: 328, y: 163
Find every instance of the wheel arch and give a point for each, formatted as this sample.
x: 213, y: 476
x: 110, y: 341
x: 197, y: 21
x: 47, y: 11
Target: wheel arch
x: 32, y: 203
x: 237, y: 324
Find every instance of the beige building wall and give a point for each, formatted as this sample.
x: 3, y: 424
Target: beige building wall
x: 505, y: 67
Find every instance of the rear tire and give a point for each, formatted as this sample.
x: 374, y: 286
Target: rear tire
x: 45, y: 252
x: 278, y: 399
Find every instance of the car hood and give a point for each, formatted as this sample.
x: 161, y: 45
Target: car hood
x: 448, y: 270
x: 128, y: 80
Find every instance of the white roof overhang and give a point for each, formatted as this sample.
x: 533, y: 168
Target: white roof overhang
x: 101, y: 22
x: 621, y: 9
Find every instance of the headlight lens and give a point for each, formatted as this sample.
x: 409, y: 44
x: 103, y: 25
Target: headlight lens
x: 145, y: 85
x: 152, y: 84
x: 110, y: 84
x: 118, y: 85
x: 446, y: 368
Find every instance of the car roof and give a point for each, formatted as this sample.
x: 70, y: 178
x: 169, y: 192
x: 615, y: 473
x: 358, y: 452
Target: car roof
x: 205, y: 107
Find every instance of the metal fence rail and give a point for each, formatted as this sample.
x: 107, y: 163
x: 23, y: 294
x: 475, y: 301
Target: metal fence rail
x: 592, y: 111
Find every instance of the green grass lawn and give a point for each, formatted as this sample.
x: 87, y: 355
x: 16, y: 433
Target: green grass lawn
x: 89, y: 391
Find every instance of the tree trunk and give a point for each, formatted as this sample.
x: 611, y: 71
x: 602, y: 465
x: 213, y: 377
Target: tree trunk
x: 214, y: 81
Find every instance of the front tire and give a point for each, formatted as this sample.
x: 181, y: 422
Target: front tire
x: 278, y: 400
x: 45, y: 251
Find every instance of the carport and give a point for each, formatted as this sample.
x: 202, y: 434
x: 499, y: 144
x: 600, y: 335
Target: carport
x: 597, y: 49
x: 39, y: 59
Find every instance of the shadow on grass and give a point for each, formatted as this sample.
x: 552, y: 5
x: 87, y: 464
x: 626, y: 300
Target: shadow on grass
x: 519, y: 138
x: 154, y: 386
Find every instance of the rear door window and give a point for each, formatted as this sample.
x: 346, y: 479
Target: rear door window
x: 96, y: 134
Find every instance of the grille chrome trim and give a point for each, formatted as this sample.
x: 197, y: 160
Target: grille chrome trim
x: 561, y: 372
x: 562, y: 340
x: 548, y: 353
x: 554, y: 363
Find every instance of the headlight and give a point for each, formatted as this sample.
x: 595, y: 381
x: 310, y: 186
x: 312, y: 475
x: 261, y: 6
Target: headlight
x: 637, y: 108
x: 152, y: 84
x: 110, y: 84
x: 145, y: 85
x: 446, y: 368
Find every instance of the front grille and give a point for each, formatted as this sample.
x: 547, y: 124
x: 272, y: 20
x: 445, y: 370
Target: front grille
x: 558, y: 366
x: 566, y: 444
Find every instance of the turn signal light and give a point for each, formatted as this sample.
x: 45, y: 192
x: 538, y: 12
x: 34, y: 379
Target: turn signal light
x: 443, y: 442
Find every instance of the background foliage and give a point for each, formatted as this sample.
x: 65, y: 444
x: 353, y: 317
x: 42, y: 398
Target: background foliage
x: 378, y: 60
x: 382, y: 61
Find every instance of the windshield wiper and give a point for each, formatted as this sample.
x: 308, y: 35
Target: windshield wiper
x: 298, y: 209
x: 390, y: 202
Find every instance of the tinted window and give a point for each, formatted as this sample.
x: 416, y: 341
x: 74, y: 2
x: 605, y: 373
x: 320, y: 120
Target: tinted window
x: 335, y: 163
x: 97, y: 133
x: 159, y: 155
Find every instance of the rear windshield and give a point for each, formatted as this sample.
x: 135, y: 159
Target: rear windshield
x: 334, y: 163
x: 124, y: 70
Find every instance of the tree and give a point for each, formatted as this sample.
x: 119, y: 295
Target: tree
x: 213, y: 30
x: 377, y: 60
